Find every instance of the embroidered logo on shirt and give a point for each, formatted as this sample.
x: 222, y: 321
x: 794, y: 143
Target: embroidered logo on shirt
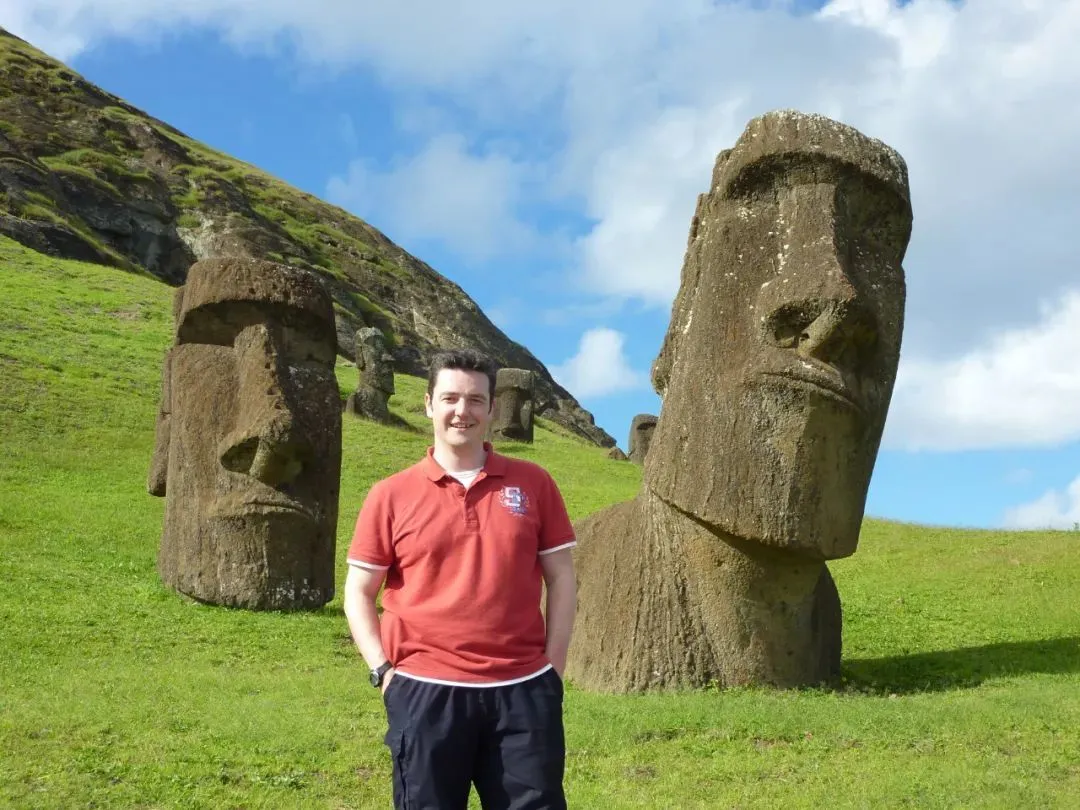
x: 515, y: 501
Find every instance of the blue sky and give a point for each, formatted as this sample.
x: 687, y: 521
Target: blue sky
x: 547, y: 159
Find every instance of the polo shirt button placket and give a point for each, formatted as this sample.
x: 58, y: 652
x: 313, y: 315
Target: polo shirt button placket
x: 469, y: 506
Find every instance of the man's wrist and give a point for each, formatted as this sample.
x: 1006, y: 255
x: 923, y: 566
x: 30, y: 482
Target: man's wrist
x: 378, y: 675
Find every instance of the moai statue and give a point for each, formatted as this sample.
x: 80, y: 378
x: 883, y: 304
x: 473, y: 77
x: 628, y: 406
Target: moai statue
x: 248, y: 453
x: 776, y: 372
x: 376, y: 366
x: 615, y: 454
x: 641, y: 433
x: 513, y: 414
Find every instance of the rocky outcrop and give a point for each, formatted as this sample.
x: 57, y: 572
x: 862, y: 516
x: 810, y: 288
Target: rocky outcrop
x: 85, y: 175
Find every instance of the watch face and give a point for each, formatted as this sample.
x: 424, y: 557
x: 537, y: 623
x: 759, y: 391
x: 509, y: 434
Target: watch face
x: 375, y: 677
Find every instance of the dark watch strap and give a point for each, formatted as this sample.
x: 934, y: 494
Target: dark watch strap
x: 378, y: 674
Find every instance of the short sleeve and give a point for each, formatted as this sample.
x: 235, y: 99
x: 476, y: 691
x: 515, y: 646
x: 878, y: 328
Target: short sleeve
x: 372, y: 543
x: 556, y: 530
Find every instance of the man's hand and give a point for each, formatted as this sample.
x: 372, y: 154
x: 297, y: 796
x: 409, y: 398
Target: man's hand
x: 558, y: 570
x: 389, y: 676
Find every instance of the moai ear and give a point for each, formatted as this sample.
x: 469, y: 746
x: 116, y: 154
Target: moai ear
x: 156, y: 480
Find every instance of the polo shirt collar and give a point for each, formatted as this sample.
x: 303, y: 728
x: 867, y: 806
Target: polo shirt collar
x: 493, y: 465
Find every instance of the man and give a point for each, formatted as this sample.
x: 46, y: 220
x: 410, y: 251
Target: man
x: 470, y: 671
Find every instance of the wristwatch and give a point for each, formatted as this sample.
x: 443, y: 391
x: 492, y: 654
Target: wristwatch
x: 376, y: 676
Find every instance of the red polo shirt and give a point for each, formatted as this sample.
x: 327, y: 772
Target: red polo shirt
x: 463, y: 582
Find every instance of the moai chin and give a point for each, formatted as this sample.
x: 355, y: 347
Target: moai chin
x: 248, y: 451
x: 776, y: 373
x: 512, y: 418
x: 376, y: 385
x: 641, y: 433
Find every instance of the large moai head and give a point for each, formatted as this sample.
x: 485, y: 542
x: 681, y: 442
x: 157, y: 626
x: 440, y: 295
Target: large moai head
x: 374, y: 361
x: 780, y: 358
x: 641, y: 432
x: 512, y: 416
x: 248, y: 451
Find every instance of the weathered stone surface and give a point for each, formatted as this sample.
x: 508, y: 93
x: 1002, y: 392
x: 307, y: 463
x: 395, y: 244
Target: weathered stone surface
x: 615, y: 454
x: 512, y: 418
x: 641, y: 433
x: 87, y: 176
x: 376, y: 367
x: 248, y: 451
x: 776, y: 373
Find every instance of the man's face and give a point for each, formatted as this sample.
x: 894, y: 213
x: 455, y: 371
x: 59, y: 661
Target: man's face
x: 783, y: 357
x: 460, y: 408
x: 254, y: 450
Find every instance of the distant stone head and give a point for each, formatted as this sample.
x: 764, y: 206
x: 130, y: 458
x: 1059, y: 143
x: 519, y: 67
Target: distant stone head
x: 512, y: 416
x: 642, y: 428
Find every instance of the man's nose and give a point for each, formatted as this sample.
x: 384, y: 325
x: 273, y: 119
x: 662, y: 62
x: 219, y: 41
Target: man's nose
x: 814, y: 306
x: 265, y: 443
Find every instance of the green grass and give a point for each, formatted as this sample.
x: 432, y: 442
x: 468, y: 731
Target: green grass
x: 962, y: 665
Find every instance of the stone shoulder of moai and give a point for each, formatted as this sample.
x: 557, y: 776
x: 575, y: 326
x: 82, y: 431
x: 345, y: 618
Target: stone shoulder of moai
x: 248, y: 447
x: 776, y: 374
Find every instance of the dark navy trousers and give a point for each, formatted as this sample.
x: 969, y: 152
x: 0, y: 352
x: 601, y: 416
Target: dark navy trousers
x: 507, y: 740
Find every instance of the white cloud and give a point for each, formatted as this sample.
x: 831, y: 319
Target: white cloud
x: 466, y: 201
x: 600, y: 367
x: 643, y: 194
x: 1020, y: 389
x: 1056, y: 509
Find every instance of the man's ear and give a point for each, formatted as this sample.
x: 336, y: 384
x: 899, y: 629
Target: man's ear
x: 427, y: 406
x: 157, y: 478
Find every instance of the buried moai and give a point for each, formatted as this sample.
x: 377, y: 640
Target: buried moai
x: 615, y: 454
x: 376, y: 367
x: 248, y: 453
x: 512, y: 417
x: 776, y: 374
x: 641, y: 433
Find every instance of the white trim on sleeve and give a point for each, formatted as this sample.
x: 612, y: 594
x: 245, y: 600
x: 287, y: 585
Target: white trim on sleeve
x: 367, y: 565
x: 570, y: 544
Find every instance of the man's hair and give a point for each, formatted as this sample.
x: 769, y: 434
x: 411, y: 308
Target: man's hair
x: 462, y: 360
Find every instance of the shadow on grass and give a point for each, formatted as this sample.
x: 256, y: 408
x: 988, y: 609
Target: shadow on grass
x: 965, y: 667
x: 392, y: 420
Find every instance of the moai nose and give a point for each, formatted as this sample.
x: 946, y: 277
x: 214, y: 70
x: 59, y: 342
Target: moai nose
x: 265, y: 443
x: 815, y: 307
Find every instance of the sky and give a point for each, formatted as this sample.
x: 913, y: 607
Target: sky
x: 547, y: 158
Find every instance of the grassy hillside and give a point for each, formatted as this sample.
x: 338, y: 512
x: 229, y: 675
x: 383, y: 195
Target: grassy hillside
x: 85, y: 175
x: 962, y: 649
